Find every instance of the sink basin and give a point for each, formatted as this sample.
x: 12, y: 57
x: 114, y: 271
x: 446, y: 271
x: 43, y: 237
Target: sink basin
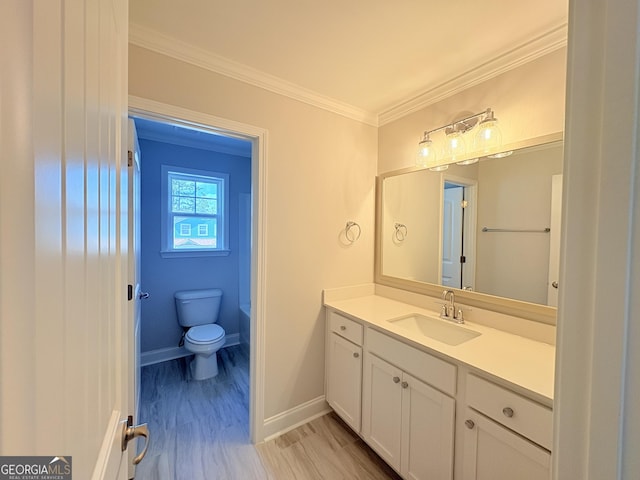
x: 435, y: 328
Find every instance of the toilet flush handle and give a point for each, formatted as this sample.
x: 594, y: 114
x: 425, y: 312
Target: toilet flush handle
x: 143, y: 295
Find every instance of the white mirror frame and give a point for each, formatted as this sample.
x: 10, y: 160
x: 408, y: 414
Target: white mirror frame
x: 508, y: 306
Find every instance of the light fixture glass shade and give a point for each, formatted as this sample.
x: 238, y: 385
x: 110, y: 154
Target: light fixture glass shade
x: 468, y: 161
x: 501, y: 154
x: 455, y: 147
x: 426, y: 153
x: 488, y: 138
x: 439, y: 168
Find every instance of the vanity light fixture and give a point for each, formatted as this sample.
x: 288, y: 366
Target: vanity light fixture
x: 487, y: 139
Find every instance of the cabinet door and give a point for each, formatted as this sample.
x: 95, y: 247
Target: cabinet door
x: 382, y: 409
x: 428, y: 418
x: 492, y: 452
x: 344, y: 385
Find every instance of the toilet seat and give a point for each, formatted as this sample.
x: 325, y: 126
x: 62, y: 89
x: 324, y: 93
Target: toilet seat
x: 204, y: 334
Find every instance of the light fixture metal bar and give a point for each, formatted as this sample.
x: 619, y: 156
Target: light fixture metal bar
x: 453, y: 124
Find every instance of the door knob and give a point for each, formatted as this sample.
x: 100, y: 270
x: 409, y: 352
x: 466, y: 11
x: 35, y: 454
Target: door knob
x: 130, y: 432
x: 143, y: 295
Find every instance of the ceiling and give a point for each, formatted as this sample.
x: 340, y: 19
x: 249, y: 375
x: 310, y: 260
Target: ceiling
x: 376, y: 58
x: 191, y: 137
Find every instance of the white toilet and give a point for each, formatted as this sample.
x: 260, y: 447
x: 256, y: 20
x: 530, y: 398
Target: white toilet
x: 198, y: 311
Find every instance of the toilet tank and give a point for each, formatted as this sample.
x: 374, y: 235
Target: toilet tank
x: 198, y: 307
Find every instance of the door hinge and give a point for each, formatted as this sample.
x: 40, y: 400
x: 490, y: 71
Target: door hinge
x: 130, y: 158
x: 463, y: 259
x: 129, y: 292
x: 464, y: 204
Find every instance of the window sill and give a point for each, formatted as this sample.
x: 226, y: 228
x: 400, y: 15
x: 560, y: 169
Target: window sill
x: 194, y: 253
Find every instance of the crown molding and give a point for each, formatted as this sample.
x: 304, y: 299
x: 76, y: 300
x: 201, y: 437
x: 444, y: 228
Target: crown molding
x: 539, y: 46
x: 160, y: 43
x: 548, y: 42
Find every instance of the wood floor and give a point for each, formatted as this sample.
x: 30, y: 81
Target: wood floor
x: 200, y: 430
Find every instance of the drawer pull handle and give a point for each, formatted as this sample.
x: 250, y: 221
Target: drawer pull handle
x: 356, y: 354
x: 343, y: 328
x: 508, y: 412
x: 404, y: 384
x: 396, y: 379
x: 469, y: 424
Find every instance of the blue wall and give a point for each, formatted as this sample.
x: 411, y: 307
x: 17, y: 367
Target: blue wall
x: 161, y: 277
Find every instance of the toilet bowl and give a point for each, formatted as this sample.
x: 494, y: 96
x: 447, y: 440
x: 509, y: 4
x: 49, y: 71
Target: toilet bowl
x: 197, y: 312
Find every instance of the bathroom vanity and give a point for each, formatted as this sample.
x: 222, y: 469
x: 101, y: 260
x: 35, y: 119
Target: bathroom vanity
x: 438, y: 400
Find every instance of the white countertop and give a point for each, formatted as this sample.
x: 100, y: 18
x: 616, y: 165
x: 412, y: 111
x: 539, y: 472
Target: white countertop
x: 522, y: 362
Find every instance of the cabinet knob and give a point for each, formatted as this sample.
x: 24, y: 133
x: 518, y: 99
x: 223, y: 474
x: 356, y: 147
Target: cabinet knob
x: 356, y: 354
x: 343, y: 328
x: 508, y: 412
x: 396, y: 379
x: 469, y: 424
x: 404, y: 384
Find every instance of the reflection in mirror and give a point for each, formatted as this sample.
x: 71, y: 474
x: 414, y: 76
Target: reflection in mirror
x: 491, y: 227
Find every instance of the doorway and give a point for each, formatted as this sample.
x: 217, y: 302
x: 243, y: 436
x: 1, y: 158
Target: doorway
x: 457, y: 262
x: 253, y: 203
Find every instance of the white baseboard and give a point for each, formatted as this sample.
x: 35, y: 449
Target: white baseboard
x: 294, y: 417
x: 171, y: 353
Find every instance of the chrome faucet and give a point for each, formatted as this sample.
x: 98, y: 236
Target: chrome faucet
x: 451, y: 312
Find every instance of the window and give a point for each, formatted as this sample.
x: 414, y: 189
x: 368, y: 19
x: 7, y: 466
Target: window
x: 203, y: 230
x: 194, y: 211
x: 185, y: 231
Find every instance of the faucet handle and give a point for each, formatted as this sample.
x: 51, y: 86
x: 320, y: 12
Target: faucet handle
x: 443, y: 311
x: 459, y: 316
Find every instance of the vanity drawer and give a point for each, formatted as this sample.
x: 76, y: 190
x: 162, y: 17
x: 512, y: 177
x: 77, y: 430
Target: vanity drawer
x: 528, y: 418
x: 345, y: 327
x: 425, y: 367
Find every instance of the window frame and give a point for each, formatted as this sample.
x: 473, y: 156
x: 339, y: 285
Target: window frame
x: 167, y: 224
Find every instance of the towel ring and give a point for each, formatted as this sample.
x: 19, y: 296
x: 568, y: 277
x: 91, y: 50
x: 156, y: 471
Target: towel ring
x: 349, y: 234
x: 401, y: 232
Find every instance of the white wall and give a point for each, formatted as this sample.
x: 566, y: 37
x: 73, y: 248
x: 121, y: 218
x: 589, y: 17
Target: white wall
x: 528, y: 102
x: 414, y: 200
x: 320, y: 174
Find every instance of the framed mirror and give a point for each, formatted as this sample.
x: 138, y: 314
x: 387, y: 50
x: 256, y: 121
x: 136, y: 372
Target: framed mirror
x: 491, y: 229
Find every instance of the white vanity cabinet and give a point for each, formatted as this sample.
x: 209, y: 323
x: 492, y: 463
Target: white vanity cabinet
x: 344, y: 368
x: 506, y: 436
x: 406, y: 417
x: 411, y: 405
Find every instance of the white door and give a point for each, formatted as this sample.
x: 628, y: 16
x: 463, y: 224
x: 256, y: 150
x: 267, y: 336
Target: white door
x: 344, y: 385
x: 382, y: 409
x: 452, y: 237
x: 135, y: 294
x: 554, y: 240
x: 63, y: 229
x: 428, y: 418
x: 492, y: 452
